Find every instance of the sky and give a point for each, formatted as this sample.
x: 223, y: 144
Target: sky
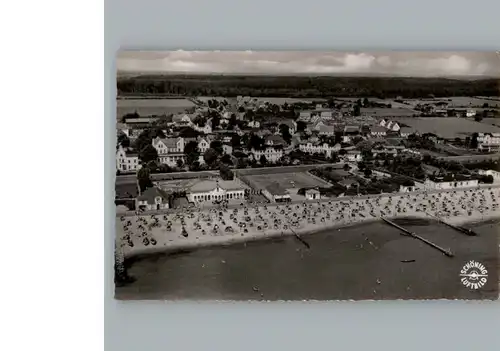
x: 414, y: 64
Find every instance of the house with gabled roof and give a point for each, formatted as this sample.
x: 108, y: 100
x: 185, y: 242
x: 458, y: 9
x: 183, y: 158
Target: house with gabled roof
x: 170, y: 150
x: 153, y: 199
x: 127, y: 160
x: 276, y: 193
x: 326, y: 130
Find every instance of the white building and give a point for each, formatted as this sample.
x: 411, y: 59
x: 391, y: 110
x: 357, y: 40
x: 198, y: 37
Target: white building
x: 305, y: 116
x: 170, y: 150
x: 127, y: 160
x: 494, y: 174
x: 203, y: 145
x: 181, y: 120
x: 405, y: 132
x: 254, y: 124
x: 272, y: 154
x: 276, y: 193
x: 390, y: 125
x: 354, y: 156
x: 313, y: 194
x: 378, y: 131
x: 326, y: 130
x: 470, y: 113
x: 206, y: 129
x: 326, y: 114
x: 216, y: 190
x: 152, y: 199
x: 324, y: 148
x: 292, y: 126
x: 442, y: 183
x: 488, y: 141
x: 227, y: 149
x: 407, y: 188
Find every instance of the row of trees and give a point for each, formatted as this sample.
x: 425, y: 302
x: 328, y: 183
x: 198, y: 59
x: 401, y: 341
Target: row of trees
x: 230, y: 86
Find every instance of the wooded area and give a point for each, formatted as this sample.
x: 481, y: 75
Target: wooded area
x: 303, y: 87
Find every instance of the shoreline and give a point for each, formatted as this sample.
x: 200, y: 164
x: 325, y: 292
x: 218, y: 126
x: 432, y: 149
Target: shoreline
x: 226, y: 242
x: 224, y: 227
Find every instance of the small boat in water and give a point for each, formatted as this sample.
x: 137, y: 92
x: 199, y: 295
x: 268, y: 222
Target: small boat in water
x: 407, y: 261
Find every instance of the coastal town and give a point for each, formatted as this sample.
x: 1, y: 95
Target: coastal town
x: 176, y: 172
x: 248, y: 162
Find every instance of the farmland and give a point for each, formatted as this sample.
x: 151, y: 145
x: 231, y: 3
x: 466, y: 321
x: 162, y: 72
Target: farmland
x: 449, y: 128
x: 464, y: 101
x: 491, y: 121
x: 150, y: 107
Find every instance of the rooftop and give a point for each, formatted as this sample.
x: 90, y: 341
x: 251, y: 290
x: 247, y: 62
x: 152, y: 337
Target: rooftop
x: 150, y: 194
x: 209, y: 185
x: 276, y: 189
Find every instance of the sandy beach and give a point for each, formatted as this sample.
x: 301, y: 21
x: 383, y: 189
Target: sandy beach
x: 137, y: 235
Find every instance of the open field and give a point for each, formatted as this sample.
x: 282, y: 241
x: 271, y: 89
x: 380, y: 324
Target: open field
x: 464, y: 101
x: 127, y: 190
x: 389, y: 112
x: 286, y: 180
x: 491, y: 121
x: 149, y: 107
x: 272, y: 100
x: 448, y: 127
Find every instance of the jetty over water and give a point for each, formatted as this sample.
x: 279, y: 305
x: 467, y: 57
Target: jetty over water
x: 463, y: 230
x: 413, y: 235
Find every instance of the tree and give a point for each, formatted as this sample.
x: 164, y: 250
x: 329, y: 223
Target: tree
x: 143, y: 139
x: 192, y: 153
x: 255, y: 142
x: 123, y: 140
x: 367, y: 154
x: 241, y: 163
x: 301, y: 126
x: 217, y: 146
x: 188, y: 132
x: 478, y: 118
x: 342, y: 152
x: 215, y: 120
x: 357, y: 110
x: 226, y: 173
x: 226, y: 159
x: 263, y: 160
x: 368, y: 172
x: 148, y: 153
x: 180, y: 163
x: 285, y: 133
x: 210, y: 157
x: 233, y: 121
x: 346, y: 167
x: 144, y: 179
x: 366, y: 103
x: 235, y: 141
x: 473, y: 141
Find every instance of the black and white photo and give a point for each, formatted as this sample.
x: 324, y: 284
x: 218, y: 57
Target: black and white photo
x: 303, y: 175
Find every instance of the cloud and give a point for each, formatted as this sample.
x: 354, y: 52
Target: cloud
x: 306, y: 62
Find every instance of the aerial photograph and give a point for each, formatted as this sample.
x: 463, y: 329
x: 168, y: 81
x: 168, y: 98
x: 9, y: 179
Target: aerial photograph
x: 307, y: 175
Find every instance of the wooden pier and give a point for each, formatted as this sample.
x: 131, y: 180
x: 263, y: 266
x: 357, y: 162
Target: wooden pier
x: 463, y: 230
x: 413, y: 235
